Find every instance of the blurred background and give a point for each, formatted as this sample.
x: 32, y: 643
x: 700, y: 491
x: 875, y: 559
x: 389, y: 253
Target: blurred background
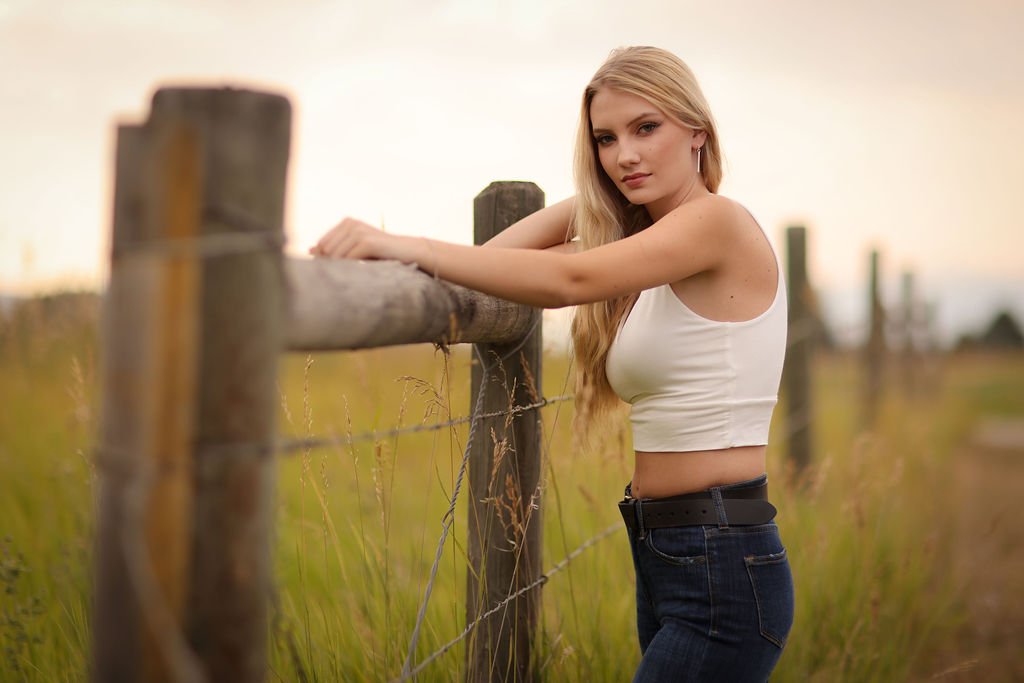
x: 889, y: 130
x: 878, y: 125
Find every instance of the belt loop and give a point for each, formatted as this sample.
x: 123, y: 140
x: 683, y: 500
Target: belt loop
x: 639, y: 510
x: 716, y: 498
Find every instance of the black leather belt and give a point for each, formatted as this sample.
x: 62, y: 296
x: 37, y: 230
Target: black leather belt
x: 742, y: 506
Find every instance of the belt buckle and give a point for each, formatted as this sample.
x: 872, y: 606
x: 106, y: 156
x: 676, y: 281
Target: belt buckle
x: 638, y: 517
x: 630, y: 509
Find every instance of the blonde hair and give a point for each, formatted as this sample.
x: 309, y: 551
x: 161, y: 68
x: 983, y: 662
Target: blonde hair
x: 603, y: 215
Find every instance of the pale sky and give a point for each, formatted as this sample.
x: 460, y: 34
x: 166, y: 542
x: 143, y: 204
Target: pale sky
x: 895, y: 124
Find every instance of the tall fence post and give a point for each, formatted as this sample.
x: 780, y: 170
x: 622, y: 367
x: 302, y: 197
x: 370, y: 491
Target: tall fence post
x: 141, y: 453
x: 504, y: 510
x: 874, y: 348
x: 909, y: 365
x: 797, y: 367
x: 192, y: 334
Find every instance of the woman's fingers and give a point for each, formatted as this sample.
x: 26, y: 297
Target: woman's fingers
x: 344, y: 240
x: 323, y: 245
x: 346, y: 246
x: 332, y: 241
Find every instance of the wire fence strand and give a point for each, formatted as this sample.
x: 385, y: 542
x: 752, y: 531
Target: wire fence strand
x: 449, y: 516
x: 446, y: 525
x: 290, y: 446
x: 593, y: 540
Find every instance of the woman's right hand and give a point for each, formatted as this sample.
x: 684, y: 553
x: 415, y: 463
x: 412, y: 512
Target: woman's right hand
x: 354, y: 239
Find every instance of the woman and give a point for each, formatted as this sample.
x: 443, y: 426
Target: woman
x: 682, y: 313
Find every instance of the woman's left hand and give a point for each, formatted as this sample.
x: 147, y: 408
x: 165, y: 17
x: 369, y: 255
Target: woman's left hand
x: 354, y: 239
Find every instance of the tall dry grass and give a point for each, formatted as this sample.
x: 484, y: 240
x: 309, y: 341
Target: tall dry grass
x: 357, y: 526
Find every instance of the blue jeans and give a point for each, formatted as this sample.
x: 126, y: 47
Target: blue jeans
x: 713, y: 603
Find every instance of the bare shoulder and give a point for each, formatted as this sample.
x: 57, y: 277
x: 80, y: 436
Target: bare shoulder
x: 726, y: 212
x: 715, y: 215
x: 747, y: 242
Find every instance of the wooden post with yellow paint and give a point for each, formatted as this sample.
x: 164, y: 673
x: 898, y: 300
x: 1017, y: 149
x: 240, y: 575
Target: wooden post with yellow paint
x: 192, y: 331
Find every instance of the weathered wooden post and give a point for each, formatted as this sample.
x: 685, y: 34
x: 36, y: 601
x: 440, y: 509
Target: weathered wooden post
x: 797, y: 373
x: 505, y: 467
x: 149, y: 326
x: 874, y: 348
x: 909, y: 364
x: 192, y: 333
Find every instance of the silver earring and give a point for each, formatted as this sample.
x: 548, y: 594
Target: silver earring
x: 698, y: 159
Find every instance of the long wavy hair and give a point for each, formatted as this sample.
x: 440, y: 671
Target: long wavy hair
x: 602, y: 214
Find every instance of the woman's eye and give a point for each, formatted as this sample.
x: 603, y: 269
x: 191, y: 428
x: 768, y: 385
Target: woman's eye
x: 604, y: 140
x: 647, y: 128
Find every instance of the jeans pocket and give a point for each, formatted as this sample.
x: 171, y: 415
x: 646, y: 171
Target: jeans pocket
x: 772, y: 582
x: 677, y: 547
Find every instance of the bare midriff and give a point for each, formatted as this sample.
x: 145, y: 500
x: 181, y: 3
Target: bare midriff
x: 659, y: 475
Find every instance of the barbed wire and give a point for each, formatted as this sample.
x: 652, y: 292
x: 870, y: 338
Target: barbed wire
x: 593, y: 540
x: 292, y: 445
x: 446, y: 525
x: 118, y: 463
x: 449, y: 516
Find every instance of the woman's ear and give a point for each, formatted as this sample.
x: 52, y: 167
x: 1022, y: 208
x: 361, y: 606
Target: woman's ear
x: 699, y: 138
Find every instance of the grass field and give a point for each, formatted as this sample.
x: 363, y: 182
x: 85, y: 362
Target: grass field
x: 868, y: 532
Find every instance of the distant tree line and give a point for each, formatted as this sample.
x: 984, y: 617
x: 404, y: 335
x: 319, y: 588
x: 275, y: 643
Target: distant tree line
x: 1003, y: 333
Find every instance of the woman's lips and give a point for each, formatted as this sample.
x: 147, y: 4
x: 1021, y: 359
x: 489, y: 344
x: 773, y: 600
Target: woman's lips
x: 636, y: 179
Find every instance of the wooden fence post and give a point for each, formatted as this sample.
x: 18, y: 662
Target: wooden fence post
x: 909, y: 365
x: 504, y: 499
x: 797, y: 372
x: 128, y: 437
x: 874, y: 348
x: 192, y: 337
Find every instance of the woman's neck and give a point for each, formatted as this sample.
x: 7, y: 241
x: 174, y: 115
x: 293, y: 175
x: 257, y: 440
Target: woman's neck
x: 658, y: 209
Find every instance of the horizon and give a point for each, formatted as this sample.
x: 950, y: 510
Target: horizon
x: 966, y: 308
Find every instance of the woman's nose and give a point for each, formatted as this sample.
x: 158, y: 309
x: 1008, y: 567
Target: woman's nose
x: 628, y: 154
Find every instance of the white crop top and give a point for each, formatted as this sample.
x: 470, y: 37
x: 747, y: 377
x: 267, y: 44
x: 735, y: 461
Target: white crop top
x: 694, y: 383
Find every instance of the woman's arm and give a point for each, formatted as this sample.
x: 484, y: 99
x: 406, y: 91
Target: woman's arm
x: 540, y: 230
x: 691, y: 239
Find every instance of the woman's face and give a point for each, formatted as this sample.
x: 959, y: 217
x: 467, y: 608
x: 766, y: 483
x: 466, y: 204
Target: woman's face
x: 648, y: 155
